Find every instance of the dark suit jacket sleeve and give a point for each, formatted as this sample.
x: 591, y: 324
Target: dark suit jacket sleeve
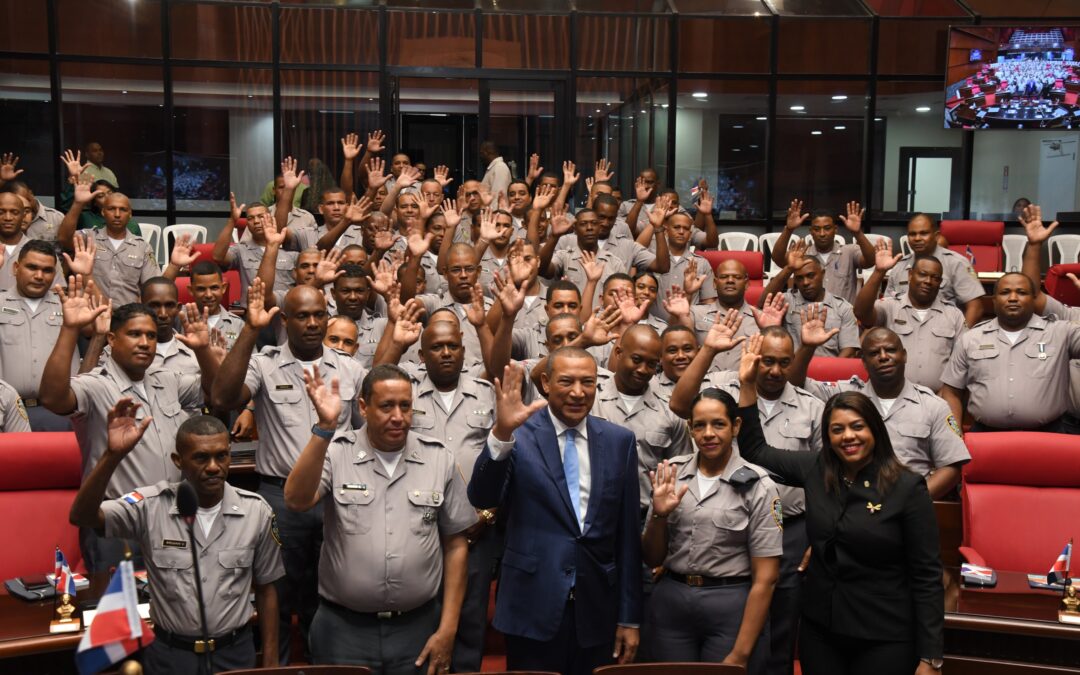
x: 791, y: 467
x: 490, y: 479
x: 924, y: 571
x: 629, y: 542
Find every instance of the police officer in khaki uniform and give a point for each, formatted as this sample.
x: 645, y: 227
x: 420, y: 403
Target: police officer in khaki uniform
x: 12, y: 411
x: 925, y: 434
x: 809, y: 288
x: 165, y: 396
x: 208, y: 288
x: 720, y: 547
x: 273, y: 379
x: 791, y: 420
x: 30, y: 319
x: 341, y: 335
x: 530, y: 326
x: 396, y: 518
x: 161, y: 297
x: 45, y: 221
x: 840, y: 263
x: 235, y: 538
x: 928, y: 326
x: 352, y: 294
x: 247, y: 256
x: 459, y: 407
x: 1015, y: 367
x: 960, y: 285
x: 11, y: 235
x: 678, y: 347
x: 685, y: 267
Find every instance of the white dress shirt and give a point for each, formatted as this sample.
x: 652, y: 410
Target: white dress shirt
x: 500, y: 450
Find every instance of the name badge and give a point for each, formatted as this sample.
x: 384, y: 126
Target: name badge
x: 901, y: 321
x: 986, y: 346
x: 9, y: 310
x: 174, y: 543
x: 354, y: 486
x: 283, y: 387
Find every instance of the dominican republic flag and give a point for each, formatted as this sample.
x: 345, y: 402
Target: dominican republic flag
x: 117, y: 627
x: 62, y: 576
x: 1060, y: 571
x: 970, y: 255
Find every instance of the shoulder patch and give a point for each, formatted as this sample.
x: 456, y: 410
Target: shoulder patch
x: 954, y: 425
x: 274, y: 529
x: 21, y: 407
x: 777, y: 510
x: 133, y: 497
x: 744, y: 477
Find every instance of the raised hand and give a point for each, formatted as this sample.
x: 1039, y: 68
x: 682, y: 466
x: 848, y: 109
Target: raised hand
x: 83, y: 262
x: 419, y: 242
x: 8, y: 162
x: 853, y: 220
x: 705, y: 201
x: 359, y: 209
x: 485, y: 196
x: 748, y: 362
x: 511, y: 297
x: 884, y: 260
x: 632, y: 311
x: 196, y: 326
x: 570, y: 174
x: 641, y: 190
x: 219, y: 346
x: 350, y: 146
x: 384, y: 239
x: 257, y: 315
x: 442, y: 175
x: 588, y: 185
x: 408, y: 176
x: 235, y: 211
x: 594, y: 269
x: 510, y: 411
x: 676, y: 303
x: 407, y: 326
x: 600, y: 327
x: 603, y: 170
x: 183, y: 253
x: 522, y: 272
x: 723, y: 334
x: 383, y: 277
x: 73, y: 162
x: 1031, y: 219
x: 667, y: 493
x: 329, y: 266
x: 813, y: 332
x: 77, y: 303
x: 795, y: 216
x: 544, y: 195
x: 662, y: 210
x: 476, y: 311
x: 375, y: 142
x: 796, y: 255
x: 692, y: 281
x: 103, y: 322
x: 272, y: 235
x: 124, y: 430
x: 289, y: 174
x: 488, y: 230
x: 84, y: 194
x: 376, y: 175
x: 534, y: 168
x: 561, y: 223
x: 327, y: 400
x: 772, y: 312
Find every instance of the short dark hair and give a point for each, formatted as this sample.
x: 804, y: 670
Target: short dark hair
x: 565, y: 316
x: 333, y: 189
x: 618, y: 276
x: 382, y: 373
x: 646, y: 273
x: 351, y: 271
x: 731, y: 408
x: 926, y: 216
x: 199, y: 425
x: 37, y: 246
x: 679, y: 328
x: 157, y: 281
x: 562, y: 285
x: 204, y: 268
x: 124, y: 313
x: 605, y: 198
x: 777, y: 332
x: 583, y: 212
x: 566, y: 352
x: 822, y: 213
x: 1030, y: 283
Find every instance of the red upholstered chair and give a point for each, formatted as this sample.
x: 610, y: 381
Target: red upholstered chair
x: 755, y: 269
x: 39, y: 475
x: 205, y: 252
x: 1020, y: 492
x: 980, y: 239
x: 1060, y: 286
x: 835, y: 369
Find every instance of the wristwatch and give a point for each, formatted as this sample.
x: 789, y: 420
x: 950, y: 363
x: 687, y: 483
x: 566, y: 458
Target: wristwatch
x: 487, y: 516
x: 936, y: 664
x: 325, y: 434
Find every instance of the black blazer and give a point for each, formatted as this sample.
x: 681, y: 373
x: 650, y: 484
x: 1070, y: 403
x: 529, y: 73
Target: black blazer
x: 873, y: 574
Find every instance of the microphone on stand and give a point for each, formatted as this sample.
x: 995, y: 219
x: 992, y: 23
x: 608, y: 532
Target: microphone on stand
x: 187, y: 503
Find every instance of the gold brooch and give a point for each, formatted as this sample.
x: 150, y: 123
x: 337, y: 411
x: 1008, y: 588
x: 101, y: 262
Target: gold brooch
x: 872, y: 507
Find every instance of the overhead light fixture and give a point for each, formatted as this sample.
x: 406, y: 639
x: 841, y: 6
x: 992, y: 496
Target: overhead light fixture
x: 839, y: 127
x: 598, y: 110
x: 700, y: 94
x: 878, y: 119
x: 664, y: 106
x: 753, y: 147
x: 736, y: 149
x: 839, y: 97
x: 737, y: 126
x: 124, y: 91
x: 439, y: 115
x: 798, y: 108
x: 923, y: 109
x: 643, y: 112
x: 761, y: 119
x: 815, y: 133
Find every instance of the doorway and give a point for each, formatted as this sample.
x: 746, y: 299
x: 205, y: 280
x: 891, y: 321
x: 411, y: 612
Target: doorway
x: 931, y: 180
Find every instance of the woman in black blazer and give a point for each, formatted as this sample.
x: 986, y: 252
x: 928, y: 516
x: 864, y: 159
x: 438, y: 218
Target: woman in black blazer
x: 873, y: 600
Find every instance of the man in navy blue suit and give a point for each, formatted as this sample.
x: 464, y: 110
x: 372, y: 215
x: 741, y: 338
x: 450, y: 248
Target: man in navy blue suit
x: 569, y: 595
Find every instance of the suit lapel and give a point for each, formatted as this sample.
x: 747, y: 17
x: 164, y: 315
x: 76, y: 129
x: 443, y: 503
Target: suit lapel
x: 549, y: 451
x: 598, y: 469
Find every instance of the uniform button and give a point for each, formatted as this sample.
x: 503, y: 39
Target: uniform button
x: 204, y: 580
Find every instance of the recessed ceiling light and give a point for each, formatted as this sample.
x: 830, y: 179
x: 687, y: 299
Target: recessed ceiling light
x: 664, y: 106
x: 737, y: 126
x: 877, y: 119
x: 761, y: 119
x: 598, y: 110
x: 753, y: 147
x: 815, y: 133
x: 839, y: 97
x: 839, y: 127
x: 642, y: 112
x: 700, y: 94
x: 798, y: 108
x: 736, y: 149
x: 124, y: 91
x: 923, y: 109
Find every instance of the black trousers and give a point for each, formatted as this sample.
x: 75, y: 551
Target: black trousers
x: 822, y: 652
x: 562, y: 654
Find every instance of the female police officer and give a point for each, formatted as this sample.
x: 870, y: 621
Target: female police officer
x: 720, y: 546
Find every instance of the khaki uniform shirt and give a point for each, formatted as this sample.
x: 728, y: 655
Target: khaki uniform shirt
x: 1065, y: 313
x: 12, y: 411
x: 924, y: 433
x: 465, y: 424
x: 26, y: 341
x: 929, y: 342
x: 489, y: 267
x: 181, y: 361
x: 369, y: 329
x: 959, y: 284
x: 284, y: 413
x: 716, y: 534
x: 469, y: 339
x: 436, y: 283
x: 170, y: 395
x: 664, y: 386
x: 46, y: 223
x: 228, y: 324
x: 841, y: 266
x: 242, y: 547
x: 7, y: 270
x: 120, y: 272
x: 568, y: 264
x: 840, y: 315
x: 674, y: 277
x: 381, y: 545
x: 705, y: 316
x: 1015, y: 386
x: 246, y: 258
x: 659, y: 434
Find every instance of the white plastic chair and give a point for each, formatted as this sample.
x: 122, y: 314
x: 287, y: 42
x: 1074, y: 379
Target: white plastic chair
x: 766, y: 244
x: 1067, y: 248
x: 874, y: 239
x: 905, y: 247
x: 737, y: 241
x: 173, y: 232
x: 152, y: 234
x: 1014, y: 244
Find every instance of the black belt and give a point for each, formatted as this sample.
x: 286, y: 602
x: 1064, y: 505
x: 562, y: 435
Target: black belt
x: 380, y: 616
x: 698, y: 580
x: 198, y: 645
x: 271, y: 480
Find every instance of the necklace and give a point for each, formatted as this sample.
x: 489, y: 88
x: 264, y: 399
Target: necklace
x: 848, y: 482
